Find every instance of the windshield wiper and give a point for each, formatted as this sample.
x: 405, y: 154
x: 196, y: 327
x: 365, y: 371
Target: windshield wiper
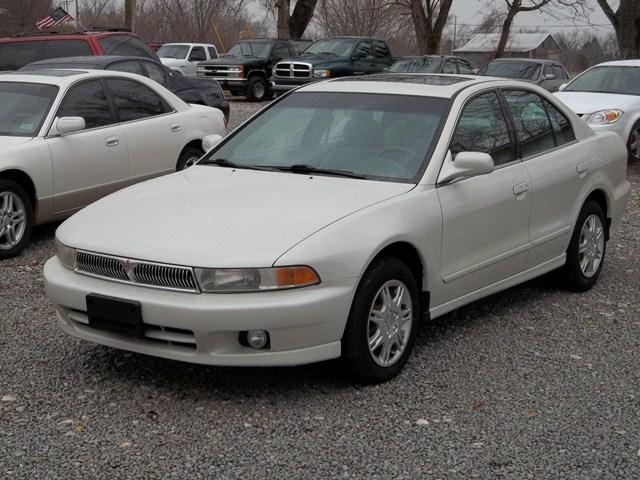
x: 305, y: 169
x: 223, y: 162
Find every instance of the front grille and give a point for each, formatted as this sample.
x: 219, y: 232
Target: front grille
x: 215, y: 71
x: 293, y: 70
x: 138, y: 272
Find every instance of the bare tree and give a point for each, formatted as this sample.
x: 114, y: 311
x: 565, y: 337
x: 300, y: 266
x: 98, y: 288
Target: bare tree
x: 21, y: 15
x: 626, y: 22
x: 292, y: 24
x: 381, y: 18
x: 429, y: 21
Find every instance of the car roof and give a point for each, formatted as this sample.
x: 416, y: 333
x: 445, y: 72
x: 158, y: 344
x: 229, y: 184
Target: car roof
x: 417, y: 84
x: 620, y: 63
x: 190, y: 44
x: 43, y: 36
x: 529, y: 60
x: 90, y: 60
x: 61, y: 77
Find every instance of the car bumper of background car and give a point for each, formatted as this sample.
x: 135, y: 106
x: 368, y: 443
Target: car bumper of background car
x: 304, y: 325
x: 282, y: 85
x: 230, y: 83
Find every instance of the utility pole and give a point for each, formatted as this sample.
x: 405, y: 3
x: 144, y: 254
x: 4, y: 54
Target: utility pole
x: 455, y: 33
x: 77, y: 17
x: 130, y: 14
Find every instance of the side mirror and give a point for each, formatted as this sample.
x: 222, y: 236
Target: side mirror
x: 563, y: 86
x: 69, y: 124
x: 549, y: 76
x: 466, y: 164
x: 210, y: 141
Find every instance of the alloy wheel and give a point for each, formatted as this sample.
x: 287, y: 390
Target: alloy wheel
x: 390, y: 323
x: 13, y: 220
x: 634, y: 143
x: 591, y: 246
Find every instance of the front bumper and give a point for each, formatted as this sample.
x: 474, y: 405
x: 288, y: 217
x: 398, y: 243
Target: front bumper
x: 304, y: 325
x: 228, y: 83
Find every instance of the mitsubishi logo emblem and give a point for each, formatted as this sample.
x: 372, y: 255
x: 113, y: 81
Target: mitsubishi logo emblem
x: 128, y: 268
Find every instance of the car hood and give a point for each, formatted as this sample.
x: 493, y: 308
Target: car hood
x: 7, y: 142
x: 319, y: 60
x: 209, y: 216
x: 173, y: 62
x: 589, y: 102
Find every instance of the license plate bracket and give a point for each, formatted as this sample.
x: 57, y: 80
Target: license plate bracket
x: 115, y: 315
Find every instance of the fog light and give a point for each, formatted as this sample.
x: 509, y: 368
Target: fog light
x: 257, y: 339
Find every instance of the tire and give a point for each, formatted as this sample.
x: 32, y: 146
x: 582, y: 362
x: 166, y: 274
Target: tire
x: 257, y: 89
x: 586, y: 252
x: 367, y: 364
x: 188, y: 157
x: 633, y: 144
x: 16, y: 218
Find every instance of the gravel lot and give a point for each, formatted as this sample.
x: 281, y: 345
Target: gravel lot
x: 533, y: 383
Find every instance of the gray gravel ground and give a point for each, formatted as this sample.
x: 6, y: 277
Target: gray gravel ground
x: 533, y: 383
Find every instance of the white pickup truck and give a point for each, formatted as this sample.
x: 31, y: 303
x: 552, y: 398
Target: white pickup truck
x: 184, y: 57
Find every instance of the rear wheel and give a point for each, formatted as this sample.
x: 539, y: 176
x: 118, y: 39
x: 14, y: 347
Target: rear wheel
x: 188, y: 157
x: 586, y: 252
x: 16, y: 218
x: 633, y: 145
x: 382, y: 324
x: 257, y: 90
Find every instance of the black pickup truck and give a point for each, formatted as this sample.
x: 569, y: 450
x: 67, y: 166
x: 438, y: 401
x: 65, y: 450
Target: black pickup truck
x: 330, y: 58
x: 247, y: 66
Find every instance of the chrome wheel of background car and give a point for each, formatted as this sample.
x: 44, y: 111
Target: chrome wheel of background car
x: 258, y: 90
x: 634, y: 143
x: 390, y: 323
x: 13, y: 220
x: 191, y: 161
x: 591, y: 246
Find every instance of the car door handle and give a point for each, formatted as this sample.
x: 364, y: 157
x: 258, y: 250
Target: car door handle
x: 176, y: 127
x: 582, y: 168
x: 112, y: 141
x: 520, y: 188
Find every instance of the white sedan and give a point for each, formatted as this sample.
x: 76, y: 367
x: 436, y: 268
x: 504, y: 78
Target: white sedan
x: 607, y: 97
x: 69, y: 137
x: 337, y: 218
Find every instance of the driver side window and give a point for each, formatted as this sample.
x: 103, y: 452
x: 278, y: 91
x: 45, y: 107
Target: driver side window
x: 482, y: 127
x: 89, y: 101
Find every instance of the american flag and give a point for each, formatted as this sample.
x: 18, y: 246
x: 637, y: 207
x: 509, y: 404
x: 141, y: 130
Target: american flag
x: 58, y: 16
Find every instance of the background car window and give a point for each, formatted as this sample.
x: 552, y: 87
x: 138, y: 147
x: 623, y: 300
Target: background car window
x: 465, y: 67
x: 89, y: 101
x: 559, y: 72
x: 280, y: 52
x: 130, y: 66
x: 66, y: 48
x: 449, y: 67
x: 532, y: 123
x: 363, y: 50
x: 212, y: 52
x: 548, y: 70
x: 482, y: 128
x: 380, y: 49
x: 197, y: 54
x: 562, y: 128
x: 135, y: 101
x: 156, y: 73
x: 16, y: 55
x: 124, y: 45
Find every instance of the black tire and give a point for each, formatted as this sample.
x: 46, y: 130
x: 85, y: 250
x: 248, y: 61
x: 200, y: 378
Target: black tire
x: 11, y: 187
x: 188, y: 156
x: 257, y: 89
x: 355, y: 342
x: 573, y: 274
x: 632, y: 147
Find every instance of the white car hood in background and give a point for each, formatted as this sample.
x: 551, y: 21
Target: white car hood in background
x: 210, y: 216
x: 588, y: 102
x: 173, y: 62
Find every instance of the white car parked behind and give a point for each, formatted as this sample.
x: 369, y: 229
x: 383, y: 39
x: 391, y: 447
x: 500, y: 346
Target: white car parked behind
x: 69, y: 137
x: 184, y: 57
x: 607, y: 97
x: 331, y: 221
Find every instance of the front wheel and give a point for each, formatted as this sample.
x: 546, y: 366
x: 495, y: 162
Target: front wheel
x: 16, y: 218
x: 633, y: 145
x: 585, y: 255
x: 382, y: 324
x: 188, y: 158
x: 257, y: 90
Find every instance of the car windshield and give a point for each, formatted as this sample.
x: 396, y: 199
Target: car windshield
x: 417, y: 65
x: 339, y: 47
x: 250, y: 49
x: 614, y: 79
x: 24, y: 107
x: 173, y: 51
x: 517, y: 70
x: 374, y: 136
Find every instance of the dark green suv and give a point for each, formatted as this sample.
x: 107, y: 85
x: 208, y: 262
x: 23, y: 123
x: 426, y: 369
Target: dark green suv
x: 331, y: 58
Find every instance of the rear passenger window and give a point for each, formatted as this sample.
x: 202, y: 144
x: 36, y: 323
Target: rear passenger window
x: 562, y: 128
x: 66, y: 48
x: 212, y: 52
x: 450, y: 67
x: 559, y: 72
x: 381, y: 50
x: 124, y: 45
x: 482, y: 128
x: 130, y: 66
x: 135, y: 101
x: 156, y: 73
x: 465, y: 67
x: 89, y: 101
x: 532, y: 123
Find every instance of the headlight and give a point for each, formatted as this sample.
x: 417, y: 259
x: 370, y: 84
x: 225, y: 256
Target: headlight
x: 234, y: 280
x: 236, y: 72
x: 604, y: 117
x: 322, y: 73
x: 66, y: 255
